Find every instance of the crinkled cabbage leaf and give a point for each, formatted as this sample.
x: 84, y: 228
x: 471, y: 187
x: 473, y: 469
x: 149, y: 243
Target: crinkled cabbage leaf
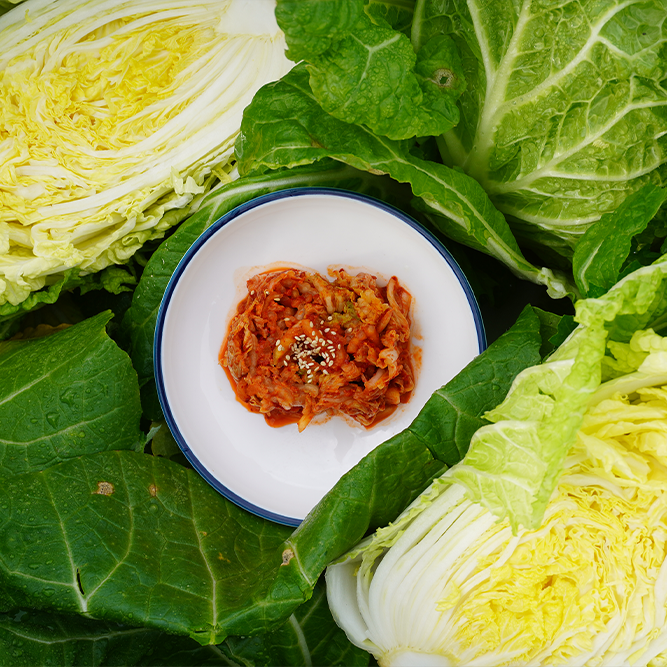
x: 513, y: 465
x: 565, y: 111
x: 364, y: 71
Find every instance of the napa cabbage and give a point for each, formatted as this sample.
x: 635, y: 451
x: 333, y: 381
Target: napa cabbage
x: 115, y: 119
x: 547, y: 543
x: 565, y: 111
x: 448, y: 585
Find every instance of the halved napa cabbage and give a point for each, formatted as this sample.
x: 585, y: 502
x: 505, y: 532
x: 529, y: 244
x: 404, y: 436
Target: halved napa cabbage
x: 449, y: 585
x: 115, y: 119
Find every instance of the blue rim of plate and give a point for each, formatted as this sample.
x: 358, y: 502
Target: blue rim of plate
x: 192, y: 251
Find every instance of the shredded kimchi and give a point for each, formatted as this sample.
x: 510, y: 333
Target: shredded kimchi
x: 301, y: 345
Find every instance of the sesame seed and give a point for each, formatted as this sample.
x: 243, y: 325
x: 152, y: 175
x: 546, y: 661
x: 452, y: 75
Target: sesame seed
x: 327, y: 330
x: 331, y: 363
x: 277, y: 343
x: 280, y: 348
x: 287, y: 357
x: 325, y: 372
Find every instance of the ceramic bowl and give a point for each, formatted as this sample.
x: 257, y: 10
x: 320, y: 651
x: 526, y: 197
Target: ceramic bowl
x: 279, y: 473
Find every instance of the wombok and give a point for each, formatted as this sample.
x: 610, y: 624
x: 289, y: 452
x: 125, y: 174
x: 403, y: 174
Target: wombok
x: 114, y: 119
x: 565, y: 110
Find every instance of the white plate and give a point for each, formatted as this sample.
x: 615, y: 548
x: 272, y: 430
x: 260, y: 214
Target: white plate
x: 279, y: 473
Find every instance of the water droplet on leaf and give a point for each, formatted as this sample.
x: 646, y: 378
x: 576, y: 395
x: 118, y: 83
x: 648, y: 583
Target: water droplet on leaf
x: 68, y: 397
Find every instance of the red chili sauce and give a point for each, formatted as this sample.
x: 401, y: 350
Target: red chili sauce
x: 301, y: 345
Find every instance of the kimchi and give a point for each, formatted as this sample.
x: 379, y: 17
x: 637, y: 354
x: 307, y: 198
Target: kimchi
x: 301, y: 345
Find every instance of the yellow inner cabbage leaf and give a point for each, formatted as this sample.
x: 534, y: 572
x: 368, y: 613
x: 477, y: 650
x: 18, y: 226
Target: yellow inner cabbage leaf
x: 589, y: 583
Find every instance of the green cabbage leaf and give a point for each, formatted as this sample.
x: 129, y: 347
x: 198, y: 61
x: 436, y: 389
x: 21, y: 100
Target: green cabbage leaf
x: 80, y: 391
x: 605, y: 252
x: 565, y: 111
x: 363, y: 71
x: 513, y: 465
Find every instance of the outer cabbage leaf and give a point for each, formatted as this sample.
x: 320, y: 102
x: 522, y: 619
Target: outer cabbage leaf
x: 71, y: 393
x: 308, y: 637
x: 29, y: 638
x: 363, y: 71
x: 513, y: 465
x: 284, y: 127
x: 604, y: 248
x: 135, y: 539
x: 565, y: 112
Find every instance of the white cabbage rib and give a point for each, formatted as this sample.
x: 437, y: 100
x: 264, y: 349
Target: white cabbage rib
x: 115, y: 118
